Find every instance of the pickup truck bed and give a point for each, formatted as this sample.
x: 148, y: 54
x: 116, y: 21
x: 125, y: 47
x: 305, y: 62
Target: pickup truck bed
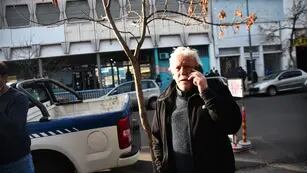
x: 82, y: 135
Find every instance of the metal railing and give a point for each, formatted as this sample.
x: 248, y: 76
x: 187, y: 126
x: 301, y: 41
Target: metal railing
x: 86, y: 94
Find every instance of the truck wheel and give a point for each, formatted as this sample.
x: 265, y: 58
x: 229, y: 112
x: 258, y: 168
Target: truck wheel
x: 52, y: 162
x: 272, y: 91
x: 152, y: 103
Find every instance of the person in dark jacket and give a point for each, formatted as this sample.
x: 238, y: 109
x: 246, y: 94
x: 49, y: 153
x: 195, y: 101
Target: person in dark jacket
x: 15, y: 143
x: 192, y: 121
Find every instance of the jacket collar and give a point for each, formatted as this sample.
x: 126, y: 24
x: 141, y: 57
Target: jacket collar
x: 169, y: 91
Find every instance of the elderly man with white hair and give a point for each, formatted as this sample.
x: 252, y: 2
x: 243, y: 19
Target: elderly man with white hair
x: 193, y: 119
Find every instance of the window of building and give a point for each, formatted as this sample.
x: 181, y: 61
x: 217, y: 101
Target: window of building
x: 115, y: 9
x: 229, y: 65
x: 99, y: 9
x: 272, y: 63
x: 77, y: 9
x: 202, y: 51
x: 164, y: 53
x: 17, y: 15
x: 171, y: 5
x: 254, y: 49
x: 271, y: 48
x: 134, y: 8
x: 46, y: 13
x: 229, y: 51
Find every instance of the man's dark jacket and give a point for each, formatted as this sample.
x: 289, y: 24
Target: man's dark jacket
x: 14, y: 139
x: 212, y: 116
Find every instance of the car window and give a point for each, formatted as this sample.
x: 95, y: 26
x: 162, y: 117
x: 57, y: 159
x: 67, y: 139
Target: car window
x: 38, y: 93
x: 148, y: 84
x: 296, y: 73
x: 122, y: 89
x: 285, y: 75
x: 272, y: 76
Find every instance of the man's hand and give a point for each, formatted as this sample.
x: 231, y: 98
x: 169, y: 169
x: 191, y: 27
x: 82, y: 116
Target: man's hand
x: 199, y: 80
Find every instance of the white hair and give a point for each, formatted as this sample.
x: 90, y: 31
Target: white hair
x: 184, y: 52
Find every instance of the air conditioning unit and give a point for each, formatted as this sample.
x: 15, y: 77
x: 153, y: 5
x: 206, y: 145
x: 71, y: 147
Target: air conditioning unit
x: 164, y: 55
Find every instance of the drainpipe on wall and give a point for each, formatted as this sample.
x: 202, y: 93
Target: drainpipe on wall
x: 40, y: 68
x: 156, y: 55
x: 217, y: 66
x: 99, y: 70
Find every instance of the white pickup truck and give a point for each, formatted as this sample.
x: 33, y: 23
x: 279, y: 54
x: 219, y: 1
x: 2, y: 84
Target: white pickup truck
x: 75, y: 135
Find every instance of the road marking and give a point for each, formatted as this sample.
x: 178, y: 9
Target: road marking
x: 291, y: 167
x: 249, y: 160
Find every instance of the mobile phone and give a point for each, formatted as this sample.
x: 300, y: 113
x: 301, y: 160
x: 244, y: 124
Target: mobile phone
x: 199, y: 68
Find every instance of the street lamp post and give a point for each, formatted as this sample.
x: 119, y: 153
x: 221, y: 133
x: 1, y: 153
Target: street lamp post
x: 112, y: 72
x: 252, y: 65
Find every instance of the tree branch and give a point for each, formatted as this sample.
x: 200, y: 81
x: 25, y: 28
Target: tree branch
x: 144, y: 24
x: 106, y: 5
x: 198, y: 19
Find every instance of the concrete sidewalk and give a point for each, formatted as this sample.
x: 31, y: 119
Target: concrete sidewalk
x: 246, y: 162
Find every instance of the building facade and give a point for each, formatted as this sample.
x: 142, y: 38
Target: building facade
x: 36, y: 39
x: 265, y: 48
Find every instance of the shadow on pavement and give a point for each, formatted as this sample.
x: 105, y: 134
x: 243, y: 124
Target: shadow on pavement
x: 140, y: 166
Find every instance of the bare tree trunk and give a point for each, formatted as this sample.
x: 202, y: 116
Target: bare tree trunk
x: 291, y: 43
x: 134, y: 59
x: 141, y: 106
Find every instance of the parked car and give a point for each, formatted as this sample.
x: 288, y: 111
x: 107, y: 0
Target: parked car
x: 281, y: 81
x: 150, y: 88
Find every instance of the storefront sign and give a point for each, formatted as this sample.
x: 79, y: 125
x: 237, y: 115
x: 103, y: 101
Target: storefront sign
x: 236, y: 87
x: 300, y: 41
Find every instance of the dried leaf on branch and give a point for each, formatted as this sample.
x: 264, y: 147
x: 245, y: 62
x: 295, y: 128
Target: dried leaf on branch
x: 221, y: 34
x: 222, y: 15
x: 251, y: 20
x: 204, y: 6
x: 236, y: 27
x: 191, y: 8
x: 239, y: 13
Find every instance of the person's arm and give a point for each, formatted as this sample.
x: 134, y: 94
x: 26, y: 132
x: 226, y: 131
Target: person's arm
x: 218, y: 100
x: 157, y: 145
x: 222, y: 107
x: 16, y: 116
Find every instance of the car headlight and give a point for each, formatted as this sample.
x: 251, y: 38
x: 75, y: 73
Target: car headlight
x: 262, y: 86
x: 254, y: 89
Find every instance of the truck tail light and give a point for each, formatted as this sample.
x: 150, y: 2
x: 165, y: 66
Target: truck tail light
x: 124, y: 134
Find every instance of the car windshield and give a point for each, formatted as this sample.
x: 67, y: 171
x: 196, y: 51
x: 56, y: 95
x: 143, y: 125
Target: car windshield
x: 272, y: 76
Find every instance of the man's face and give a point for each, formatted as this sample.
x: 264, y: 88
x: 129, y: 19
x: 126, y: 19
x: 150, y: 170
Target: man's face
x: 181, y: 68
